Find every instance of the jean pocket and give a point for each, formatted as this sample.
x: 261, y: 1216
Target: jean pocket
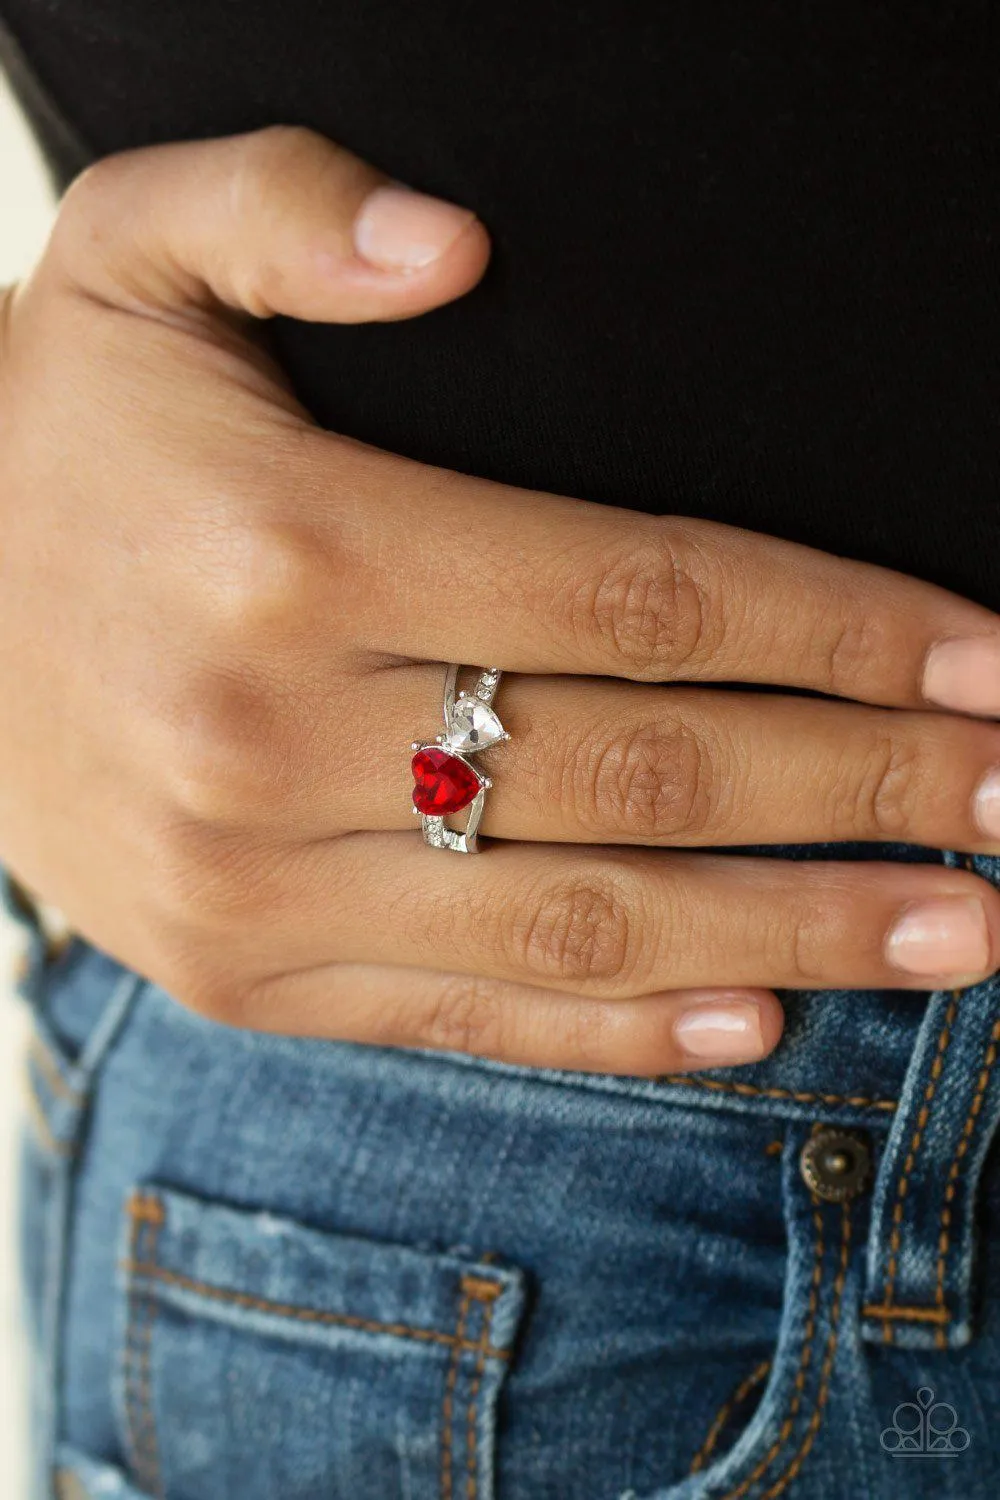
x: 261, y: 1357
x: 808, y: 1393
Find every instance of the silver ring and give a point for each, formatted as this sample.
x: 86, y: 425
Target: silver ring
x: 446, y: 779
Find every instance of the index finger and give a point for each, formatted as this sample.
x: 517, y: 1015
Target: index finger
x: 541, y: 583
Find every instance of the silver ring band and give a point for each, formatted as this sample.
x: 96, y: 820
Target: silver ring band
x: 446, y: 781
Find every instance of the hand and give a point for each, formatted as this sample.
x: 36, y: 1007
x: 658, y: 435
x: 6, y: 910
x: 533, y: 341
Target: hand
x: 222, y: 627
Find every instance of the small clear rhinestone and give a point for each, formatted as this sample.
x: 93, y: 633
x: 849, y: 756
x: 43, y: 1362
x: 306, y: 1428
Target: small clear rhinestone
x: 486, y: 685
x: 436, y: 833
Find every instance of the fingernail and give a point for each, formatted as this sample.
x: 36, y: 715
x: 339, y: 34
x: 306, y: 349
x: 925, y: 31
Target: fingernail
x: 720, y: 1032
x: 965, y: 675
x: 947, y: 937
x: 986, y: 804
x: 400, y: 230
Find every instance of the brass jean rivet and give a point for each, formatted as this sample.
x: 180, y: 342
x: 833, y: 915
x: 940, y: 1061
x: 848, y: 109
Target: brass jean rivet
x: 836, y: 1164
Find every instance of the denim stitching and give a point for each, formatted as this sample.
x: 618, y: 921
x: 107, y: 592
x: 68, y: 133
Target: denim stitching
x: 795, y: 1095
x: 45, y: 1062
x: 944, y: 1239
x: 148, y: 1413
x: 145, y: 1209
x: 481, y: 1288
x: 816, y: 1419
x: 819, y: 1251
x: 937, y: 1067
x: 487, y: 1293
x: 907, y: 1167
x: 131, y: 1422
x: 907, y: 1314
x: 40, y: 1120
x: 826, y: 1369
x: 447, y: 1487
x: 303, y: 1314
x: 725, y: 1411
x: 147, y: 1217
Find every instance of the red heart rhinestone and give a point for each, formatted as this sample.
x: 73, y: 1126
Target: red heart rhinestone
x: 444, y: 783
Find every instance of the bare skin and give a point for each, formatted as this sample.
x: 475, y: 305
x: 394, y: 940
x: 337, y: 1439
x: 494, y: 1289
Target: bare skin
x: 220, y: 629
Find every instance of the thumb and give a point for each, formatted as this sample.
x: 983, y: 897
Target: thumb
x: 277, y: 221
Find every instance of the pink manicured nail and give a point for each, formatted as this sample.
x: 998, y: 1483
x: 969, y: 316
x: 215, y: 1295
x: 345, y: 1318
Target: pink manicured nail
x: 944, y: 938
x: 965, y: 675
x: 399, y: 230
x: 986, y: 804
x: 720, y: 1032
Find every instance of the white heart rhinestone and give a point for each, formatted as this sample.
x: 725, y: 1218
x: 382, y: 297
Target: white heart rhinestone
x: 473, y: 726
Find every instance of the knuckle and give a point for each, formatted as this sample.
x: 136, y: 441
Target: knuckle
x: 804, y: 963
x: 232, y: 741
x: 264, y: 580
x: 220, y: 763
x: 846, y: 650
x: 265, y: 161
x: 85, y: 200
x: 266, y: 167
x: 574, y: 931
x: 648, y: 612
x: 88, y: 212
x: 177, y: 953
x: 793, y: 945
x: 466, y: 1014
x: 587, y: 1037
x: 803, y: 936
x: 275, y: 148
x: 655, y: 781
x: 211, y: 886
x: 216, y: 997
x: 883, y: 790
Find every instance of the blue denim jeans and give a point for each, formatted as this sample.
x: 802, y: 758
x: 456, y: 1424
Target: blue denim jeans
x: 264, y: 1267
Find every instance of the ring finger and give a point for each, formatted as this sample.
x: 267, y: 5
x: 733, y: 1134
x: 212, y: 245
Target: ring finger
x: 594, y: 760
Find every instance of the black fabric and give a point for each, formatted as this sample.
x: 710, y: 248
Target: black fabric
x: 745, y: 254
